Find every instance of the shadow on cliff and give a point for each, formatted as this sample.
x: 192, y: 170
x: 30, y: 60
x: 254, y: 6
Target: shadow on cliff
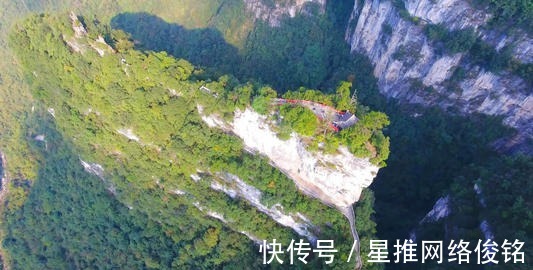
x: 202, y: 47
x: 301, y: 51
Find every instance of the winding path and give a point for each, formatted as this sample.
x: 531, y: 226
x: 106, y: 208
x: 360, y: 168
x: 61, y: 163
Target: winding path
x: 347, y: 211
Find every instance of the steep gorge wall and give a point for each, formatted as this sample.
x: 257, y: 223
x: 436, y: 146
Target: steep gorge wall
x: 458, y: 14
x: 410, y: 69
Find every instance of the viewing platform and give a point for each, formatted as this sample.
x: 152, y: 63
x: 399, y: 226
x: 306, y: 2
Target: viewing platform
x: 337, y: 120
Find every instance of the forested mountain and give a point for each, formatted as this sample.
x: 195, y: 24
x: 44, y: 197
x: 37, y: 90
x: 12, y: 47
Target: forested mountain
x: 136, y: 115
x: 122, y: 149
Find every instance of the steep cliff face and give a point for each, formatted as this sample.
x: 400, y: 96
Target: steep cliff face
x: 453, y: 13
x: 458, y: 14
x: 274, y: 11
x: 410, y: 69
x: 335, y: 179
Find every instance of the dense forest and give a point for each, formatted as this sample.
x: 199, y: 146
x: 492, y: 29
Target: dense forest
x: 92, y: 92
x: 59, y: 217
x: 70, y: 220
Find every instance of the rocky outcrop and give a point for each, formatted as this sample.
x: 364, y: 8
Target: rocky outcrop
x: 459, y: 14
x: 410, y: 69
x: 335, y: 179
x: 455, y: 14
x: 81, y: 40
x: 220, y: 217
x: 484, y: 226
x: 440, y: 210
x: 98, y: 171
x: 235, y: 187
x: 273, y: 11
x: 4, y: 179
x: 128, y: 133
x: 94, y: 169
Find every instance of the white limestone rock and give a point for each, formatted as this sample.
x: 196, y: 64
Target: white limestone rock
x: 335, y: 179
